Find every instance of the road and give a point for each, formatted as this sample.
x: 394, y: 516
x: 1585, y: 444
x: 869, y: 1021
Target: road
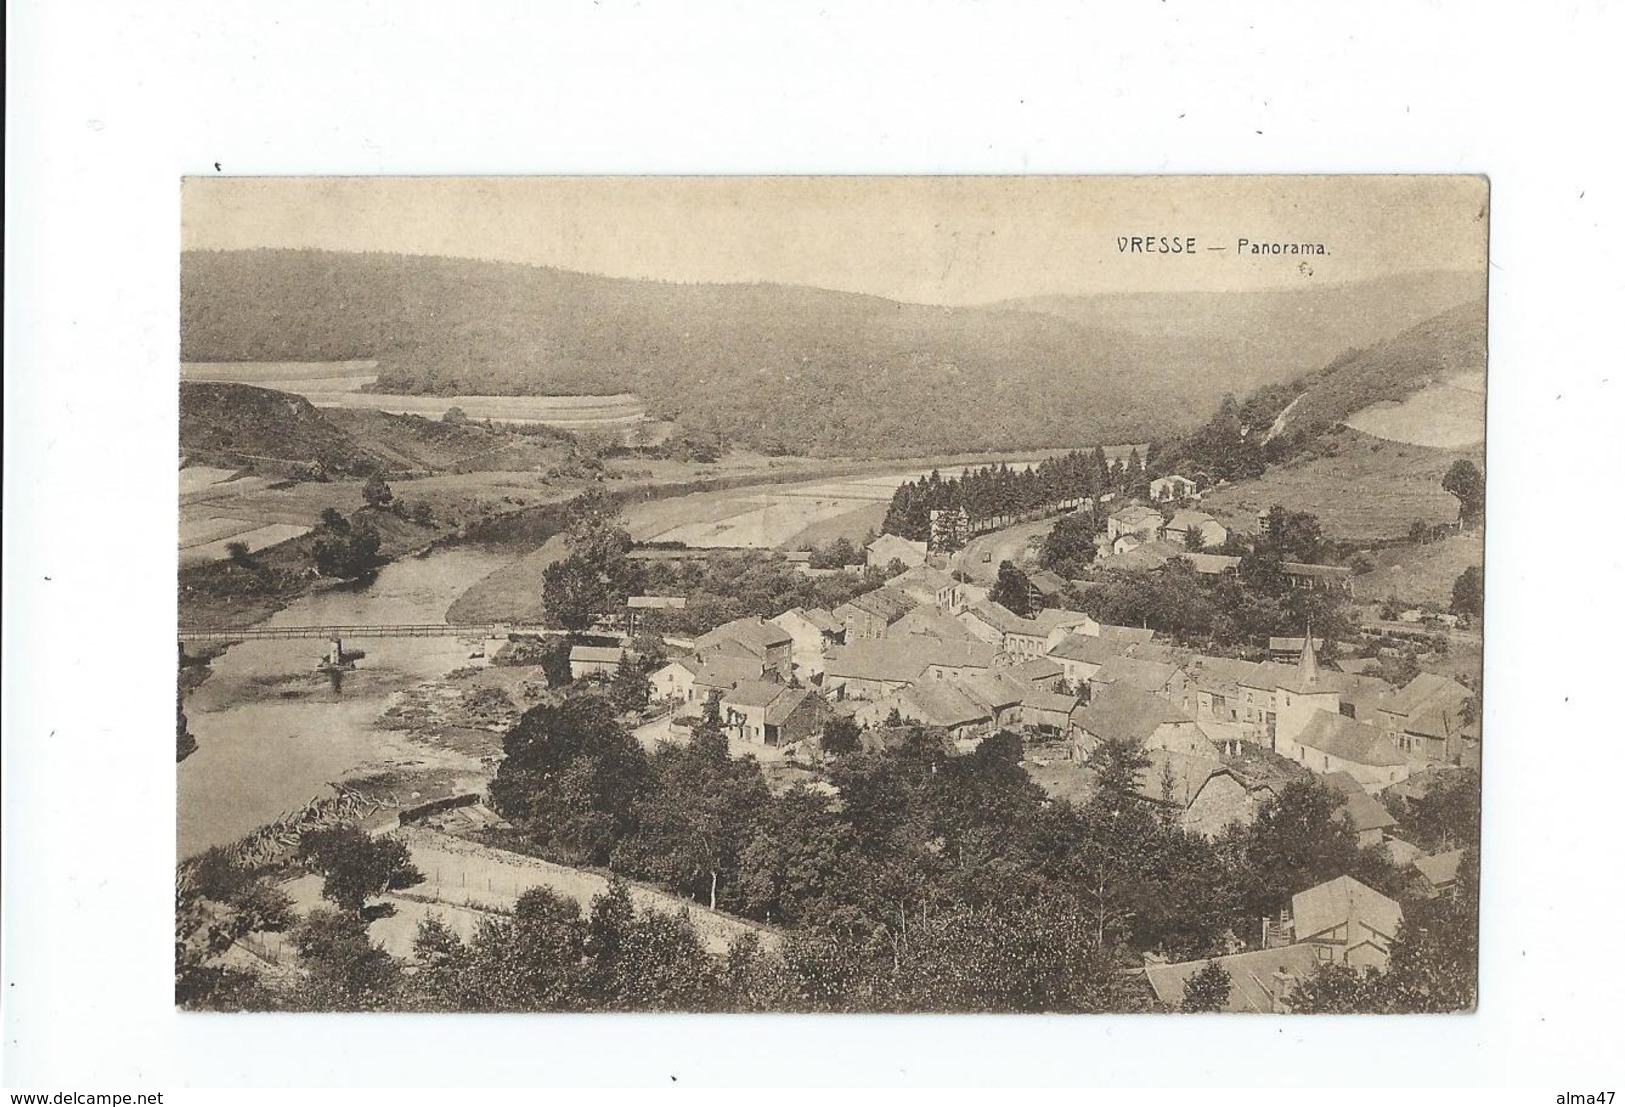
x: 981, y: 556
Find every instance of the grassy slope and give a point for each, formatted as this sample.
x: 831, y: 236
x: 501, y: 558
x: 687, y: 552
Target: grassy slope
x: 1434, y: 350
x: 1362, y: 488
x: 1421, y: 574
x: 812, y: 370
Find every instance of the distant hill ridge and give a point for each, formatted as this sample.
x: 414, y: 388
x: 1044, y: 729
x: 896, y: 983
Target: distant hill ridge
x: 780, y: 367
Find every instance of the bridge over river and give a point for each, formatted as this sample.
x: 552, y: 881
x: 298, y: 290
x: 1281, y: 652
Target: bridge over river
x: 339, y: 633
x: 384, y: 630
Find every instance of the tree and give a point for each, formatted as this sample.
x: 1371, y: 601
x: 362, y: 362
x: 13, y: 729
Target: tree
x: 1293, y: 536
x: 1207, y: 990
x: 1467, y: 594
x: 1464, y: 481
x: 572, y: 777
x: 841, y: 736
x: 357, y: 865
x: 344, y: 550
x: 237, y: 551
x: 1117, y: 764
x: 1012, y: 589
x: 455, y: 416
x: 347, y: 972
x: 1293, y: 844
x: 630, y: 688
x: 1070, y: 545
x: 376, y: 493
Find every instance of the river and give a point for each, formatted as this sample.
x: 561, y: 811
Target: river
x: 272, y: 731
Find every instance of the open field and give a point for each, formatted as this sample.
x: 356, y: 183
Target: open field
x: 255, y: 538
x: 1361, y: 488
x: 1447, y: 415
x: 1420, y: 574
x: 341, y: 384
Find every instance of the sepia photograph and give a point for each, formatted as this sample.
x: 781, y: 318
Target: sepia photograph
x: 831, y: 594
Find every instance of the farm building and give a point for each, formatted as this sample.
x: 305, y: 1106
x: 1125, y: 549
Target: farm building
x: 1172, y: 487
x: 588, y: 661
x: 1346, y: 923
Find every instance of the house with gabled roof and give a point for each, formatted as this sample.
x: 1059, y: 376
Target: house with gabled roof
x: 1172, y: 487
x: 1126, y: 713
x: 1184, y: 523
x: 880, y: 553
x: 1364, y: 814
x: 1331, y: 743
x: 942, y: 704
x: 1346, y: 923
x: 753, y: 637
x: 932, y: 587
x: 812, y: 631
x: 930, y: 623
x: 1439, y: 870
x: 1428, y: 719
x: 868, y: 615
x: 1081, y: 655
x: 769, y: 713
x: 873, y: 668
x: 1141, y: 522
x: 1157, y: 677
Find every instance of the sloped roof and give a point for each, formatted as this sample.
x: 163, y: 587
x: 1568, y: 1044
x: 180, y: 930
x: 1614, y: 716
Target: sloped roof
x: 610, y: 654
x: 1148, y: 675
x: 1040, y: 700
x: 931, y: 624
x: 1344, y: 901
x: 1130, y: 635
x: 1252, y: 977
x: 887, y: 603
x: 993, y: 689
x: 999, y: 617
x: 656, y: 603
x: 1363, y: 813
x: 1047, y: 581
x: 893, y: 542
x: 903, y: 659
x: 926, y: 577
x: 1190, y: 771
x: 1147, y: 555
x: 1052, y: 617
x: 1213, y: 563
x: 755, y: 634
x: 820, y: 619
x: 723, y: 671
x: 1431, y: 705
x: 940, y: 703
x: 1184, y: 519
x: 1216, y: 674
x: 1134, y: 515
x: 1126, y: 712
x: 754, y: 693
x: 1088, y: 649
x: 1333, y: 733
x: 1037, y: 670
x: 1439, y: 869
x: 1343, y: 784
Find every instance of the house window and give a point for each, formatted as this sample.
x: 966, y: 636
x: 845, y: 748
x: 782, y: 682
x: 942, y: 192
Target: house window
x: 1323, y: 953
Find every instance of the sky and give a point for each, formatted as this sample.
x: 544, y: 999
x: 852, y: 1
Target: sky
x: 933, y: 240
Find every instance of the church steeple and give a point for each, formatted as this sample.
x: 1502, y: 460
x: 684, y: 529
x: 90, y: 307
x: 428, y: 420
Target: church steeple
x: 1308, y: 667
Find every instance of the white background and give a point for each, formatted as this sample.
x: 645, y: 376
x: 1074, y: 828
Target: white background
x: 110, y: 103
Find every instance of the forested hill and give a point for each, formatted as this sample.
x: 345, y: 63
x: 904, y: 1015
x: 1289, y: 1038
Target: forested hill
x: 775, y: 367
x: 1261, y: 337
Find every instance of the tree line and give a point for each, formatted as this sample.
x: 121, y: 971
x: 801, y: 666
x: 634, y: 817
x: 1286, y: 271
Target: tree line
x: 996, y: 495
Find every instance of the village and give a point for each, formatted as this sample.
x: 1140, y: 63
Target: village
x: 930, y: 648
